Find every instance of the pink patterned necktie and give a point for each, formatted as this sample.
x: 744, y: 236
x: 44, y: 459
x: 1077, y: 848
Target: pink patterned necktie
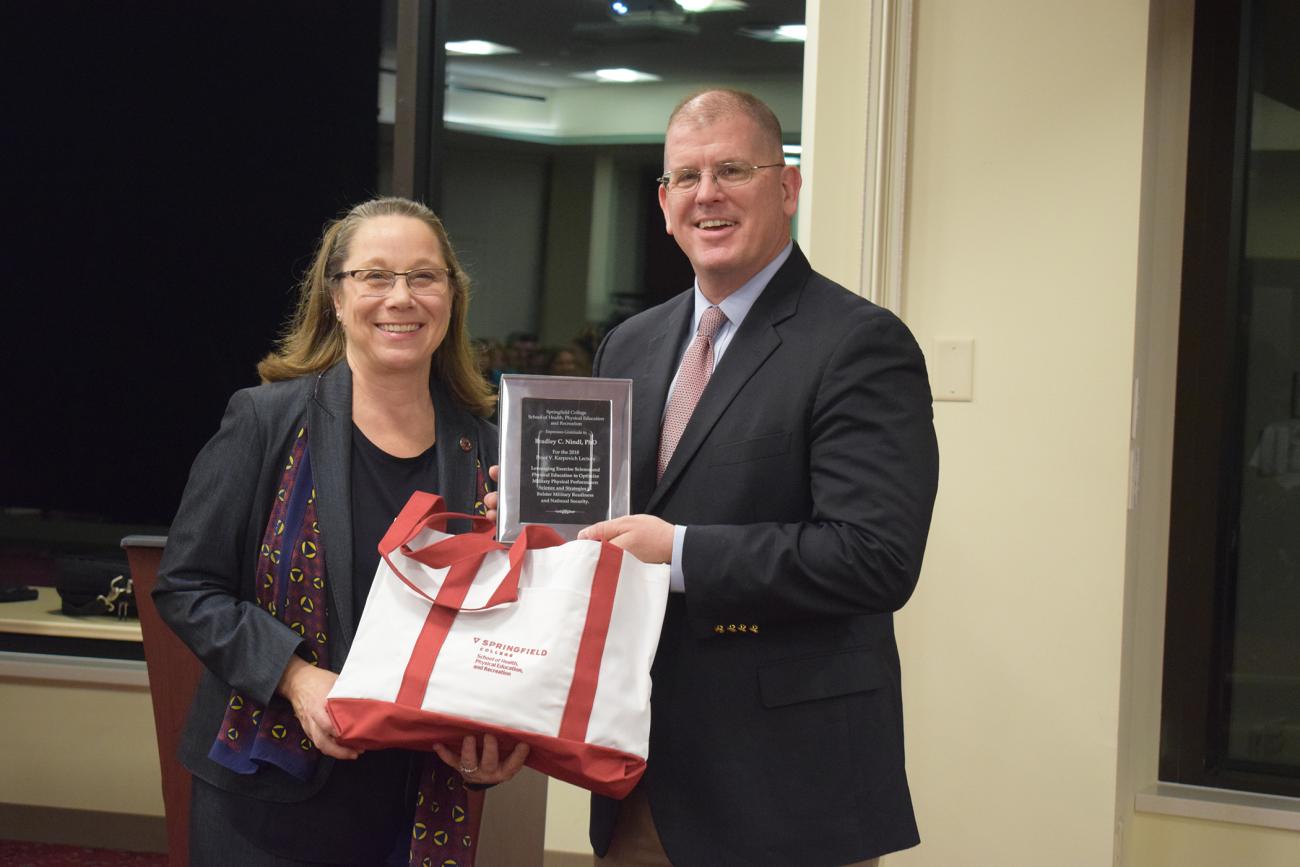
x: 697, y: 367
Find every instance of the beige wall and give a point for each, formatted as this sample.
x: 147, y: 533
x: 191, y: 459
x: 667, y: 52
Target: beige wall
x: 835, y: 139
x: 1171, y: 841
x: 567, y: 811
x: 78, y: 746
x: 1022, y: 232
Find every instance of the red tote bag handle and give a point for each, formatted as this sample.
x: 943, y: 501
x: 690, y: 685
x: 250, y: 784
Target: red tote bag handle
x: 426, y: 511
x: 464, y: 557
x: 461, y: 555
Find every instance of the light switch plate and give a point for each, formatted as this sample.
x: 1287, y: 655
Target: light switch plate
x: 952, y: 368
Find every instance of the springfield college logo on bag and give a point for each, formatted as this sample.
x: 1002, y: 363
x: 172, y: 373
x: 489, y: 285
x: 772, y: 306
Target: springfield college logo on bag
x: 499, y: 658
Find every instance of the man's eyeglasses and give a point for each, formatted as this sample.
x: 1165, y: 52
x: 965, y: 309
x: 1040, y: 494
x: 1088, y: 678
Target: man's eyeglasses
x: 724, y: 175
x: 377, y: 282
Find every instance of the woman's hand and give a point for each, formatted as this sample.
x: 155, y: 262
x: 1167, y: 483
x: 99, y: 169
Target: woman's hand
x: 486, y: 769
x: 305, y: 686
x: 491, y: 498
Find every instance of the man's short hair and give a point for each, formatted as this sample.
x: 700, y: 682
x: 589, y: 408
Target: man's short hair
x: 709, y: 106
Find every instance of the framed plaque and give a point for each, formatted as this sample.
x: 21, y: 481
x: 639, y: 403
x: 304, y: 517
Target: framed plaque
x: 566, y: 444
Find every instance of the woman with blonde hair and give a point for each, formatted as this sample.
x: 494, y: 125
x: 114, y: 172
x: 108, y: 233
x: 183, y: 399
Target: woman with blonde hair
x: 372, y: 393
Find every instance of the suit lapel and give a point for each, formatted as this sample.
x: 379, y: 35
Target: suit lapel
x: 656, y: 374
x: 329, y: 432
x: 757, y: 339
x: 456, y: 430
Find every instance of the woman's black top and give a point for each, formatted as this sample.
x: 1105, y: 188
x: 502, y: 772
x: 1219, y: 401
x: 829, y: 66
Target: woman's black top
x: 381, y: 485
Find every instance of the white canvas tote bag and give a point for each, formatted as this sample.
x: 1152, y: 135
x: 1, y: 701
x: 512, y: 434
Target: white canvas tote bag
x: 546, y: 642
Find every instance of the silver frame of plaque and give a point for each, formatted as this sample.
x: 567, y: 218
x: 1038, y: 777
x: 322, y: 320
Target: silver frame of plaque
x: 568, y: 399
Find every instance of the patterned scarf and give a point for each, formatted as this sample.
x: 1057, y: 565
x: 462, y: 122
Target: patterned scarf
x: 291, y: 587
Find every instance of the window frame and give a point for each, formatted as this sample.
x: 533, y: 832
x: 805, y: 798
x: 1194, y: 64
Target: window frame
x: 1207, y: 460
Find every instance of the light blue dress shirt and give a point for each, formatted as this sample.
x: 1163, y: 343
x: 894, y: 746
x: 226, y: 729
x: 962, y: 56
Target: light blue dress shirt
x: 735, y: 307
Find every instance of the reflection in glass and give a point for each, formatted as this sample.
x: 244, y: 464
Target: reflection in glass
x: 552, y: 135
x: 1264, y: 670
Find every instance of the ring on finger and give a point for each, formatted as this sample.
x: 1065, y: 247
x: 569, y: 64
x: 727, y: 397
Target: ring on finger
x: 465, y: 772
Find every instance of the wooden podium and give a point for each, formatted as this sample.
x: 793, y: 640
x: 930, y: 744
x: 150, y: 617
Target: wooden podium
x: 173, y: 676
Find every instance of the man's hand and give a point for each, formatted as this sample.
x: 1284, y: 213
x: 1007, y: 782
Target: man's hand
x: 486, y: 769
x: 306, y: 686
x: 491, y: 498
x: 645, y: 537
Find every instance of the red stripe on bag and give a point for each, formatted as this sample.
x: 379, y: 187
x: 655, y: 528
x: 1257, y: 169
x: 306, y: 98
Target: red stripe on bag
x: 375, y: 725
x: 458, y: 582
x: 415, y: 679
x: 582, y: 691
x: 533, y: 537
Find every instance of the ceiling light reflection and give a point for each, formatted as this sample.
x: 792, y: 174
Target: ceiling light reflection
x: 782, y: 33
x: 619, y: 75
x: 478, y: 48
x: 713, y: 5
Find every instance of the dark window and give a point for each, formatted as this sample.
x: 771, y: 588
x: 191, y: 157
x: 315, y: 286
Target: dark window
x: 167, y: 169
x: 1231, y: 703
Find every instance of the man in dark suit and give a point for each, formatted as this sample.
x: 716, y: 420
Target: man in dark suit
x: 784, y: 462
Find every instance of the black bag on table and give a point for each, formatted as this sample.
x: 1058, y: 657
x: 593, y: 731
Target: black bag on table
x: 89, y: 587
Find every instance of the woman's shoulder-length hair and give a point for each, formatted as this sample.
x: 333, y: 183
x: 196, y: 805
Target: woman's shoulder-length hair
x: 313, y: 341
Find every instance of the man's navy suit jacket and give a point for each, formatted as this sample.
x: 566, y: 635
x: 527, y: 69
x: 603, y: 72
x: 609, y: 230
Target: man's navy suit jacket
x: 806, y: 478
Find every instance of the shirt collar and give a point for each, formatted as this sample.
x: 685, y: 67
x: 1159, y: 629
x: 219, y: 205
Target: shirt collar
x: 736, y: 305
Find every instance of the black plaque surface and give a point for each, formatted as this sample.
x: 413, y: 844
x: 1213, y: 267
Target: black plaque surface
x: 565, y: 474
x: 565, y: 447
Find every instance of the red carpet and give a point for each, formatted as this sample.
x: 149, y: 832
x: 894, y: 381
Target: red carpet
x: 15, y: 853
